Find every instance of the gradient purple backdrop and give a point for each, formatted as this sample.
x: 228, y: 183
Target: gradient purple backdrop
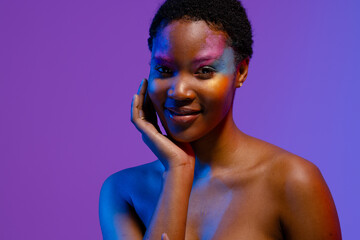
x: 68, y: 70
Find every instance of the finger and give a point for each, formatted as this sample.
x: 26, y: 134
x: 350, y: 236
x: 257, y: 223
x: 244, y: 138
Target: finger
x: 164, y: 236
x: 141, y: 90
x: 141, y: 94
x: 140, y: 123
x: 134, y: 110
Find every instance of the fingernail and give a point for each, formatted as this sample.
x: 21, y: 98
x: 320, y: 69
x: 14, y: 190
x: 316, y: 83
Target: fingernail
x: 164, y: 236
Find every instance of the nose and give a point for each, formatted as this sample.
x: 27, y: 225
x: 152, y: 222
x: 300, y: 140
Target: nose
x: 181, y: 88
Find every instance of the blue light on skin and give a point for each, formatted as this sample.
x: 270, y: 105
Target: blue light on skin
x: 216, y: 194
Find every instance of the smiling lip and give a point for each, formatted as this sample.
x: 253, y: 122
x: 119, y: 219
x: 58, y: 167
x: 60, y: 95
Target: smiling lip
x: 181, y: 115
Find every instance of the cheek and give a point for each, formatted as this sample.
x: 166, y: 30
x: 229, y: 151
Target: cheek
x: 220, y: 87
x: 157, y: 93
x: 219, y: 94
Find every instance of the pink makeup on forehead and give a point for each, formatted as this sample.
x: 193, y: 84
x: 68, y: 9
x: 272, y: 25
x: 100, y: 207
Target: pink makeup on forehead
x: 206, y: 60
x: 213, y: 48
x: 162, y: 58
x: 207, y: 46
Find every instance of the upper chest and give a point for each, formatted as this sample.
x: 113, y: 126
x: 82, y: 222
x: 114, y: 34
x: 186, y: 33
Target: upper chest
x: 223, y: 210
x: 244, y: 211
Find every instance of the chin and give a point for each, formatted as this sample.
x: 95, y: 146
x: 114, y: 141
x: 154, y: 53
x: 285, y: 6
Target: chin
x: 185, y: 136
x: 184, y: 133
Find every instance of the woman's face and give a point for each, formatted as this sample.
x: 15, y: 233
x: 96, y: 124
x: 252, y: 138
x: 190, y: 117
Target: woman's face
x: 192, y: 79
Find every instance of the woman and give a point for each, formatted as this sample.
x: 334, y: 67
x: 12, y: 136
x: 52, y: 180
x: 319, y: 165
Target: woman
x: 211, y: 181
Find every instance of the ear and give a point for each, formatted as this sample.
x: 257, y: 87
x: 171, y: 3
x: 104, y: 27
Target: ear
x: 241, y: 72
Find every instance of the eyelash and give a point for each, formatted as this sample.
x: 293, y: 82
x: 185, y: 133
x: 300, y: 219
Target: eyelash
x: 161, y: 70
x: 209, y: 74
x: 167, y: 72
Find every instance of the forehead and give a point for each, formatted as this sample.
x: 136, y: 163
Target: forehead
x: 183, y: 38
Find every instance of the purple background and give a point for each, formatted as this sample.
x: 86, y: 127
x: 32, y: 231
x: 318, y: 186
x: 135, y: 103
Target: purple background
x: 68, y: 70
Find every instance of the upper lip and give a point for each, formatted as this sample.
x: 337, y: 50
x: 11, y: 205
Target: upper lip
x: 183, y: 110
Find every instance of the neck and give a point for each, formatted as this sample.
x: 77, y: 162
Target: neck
x: 220, y: 148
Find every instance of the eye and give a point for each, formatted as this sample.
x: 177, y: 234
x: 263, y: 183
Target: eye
x: 164, y: 71
x: 205, y: 72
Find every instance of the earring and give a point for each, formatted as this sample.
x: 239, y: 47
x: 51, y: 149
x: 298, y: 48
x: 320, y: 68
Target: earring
x: 241, y: 84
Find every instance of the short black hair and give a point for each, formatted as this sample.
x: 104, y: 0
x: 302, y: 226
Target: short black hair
x: 228, y: 16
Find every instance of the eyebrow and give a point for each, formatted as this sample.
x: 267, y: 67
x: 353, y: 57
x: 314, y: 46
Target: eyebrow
x: 206, y: 58
x: 163, y: 59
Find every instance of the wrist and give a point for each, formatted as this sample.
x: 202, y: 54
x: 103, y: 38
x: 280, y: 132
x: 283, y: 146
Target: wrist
x: 185, y: 168
x: 183, y: 172
x: 176, y: 164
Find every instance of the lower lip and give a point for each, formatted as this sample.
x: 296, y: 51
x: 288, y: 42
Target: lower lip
x: 183, y: 119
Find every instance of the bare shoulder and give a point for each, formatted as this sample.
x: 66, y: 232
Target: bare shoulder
x: 292, y: 175
x: 280, y: 166
x: 123, y: 182
x: 118, y: 216
x: 293, y: 172
x: 306, y: 207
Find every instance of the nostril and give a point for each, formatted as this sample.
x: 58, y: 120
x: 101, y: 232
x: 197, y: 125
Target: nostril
x: 178, y: 103
x: 181, y: 90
